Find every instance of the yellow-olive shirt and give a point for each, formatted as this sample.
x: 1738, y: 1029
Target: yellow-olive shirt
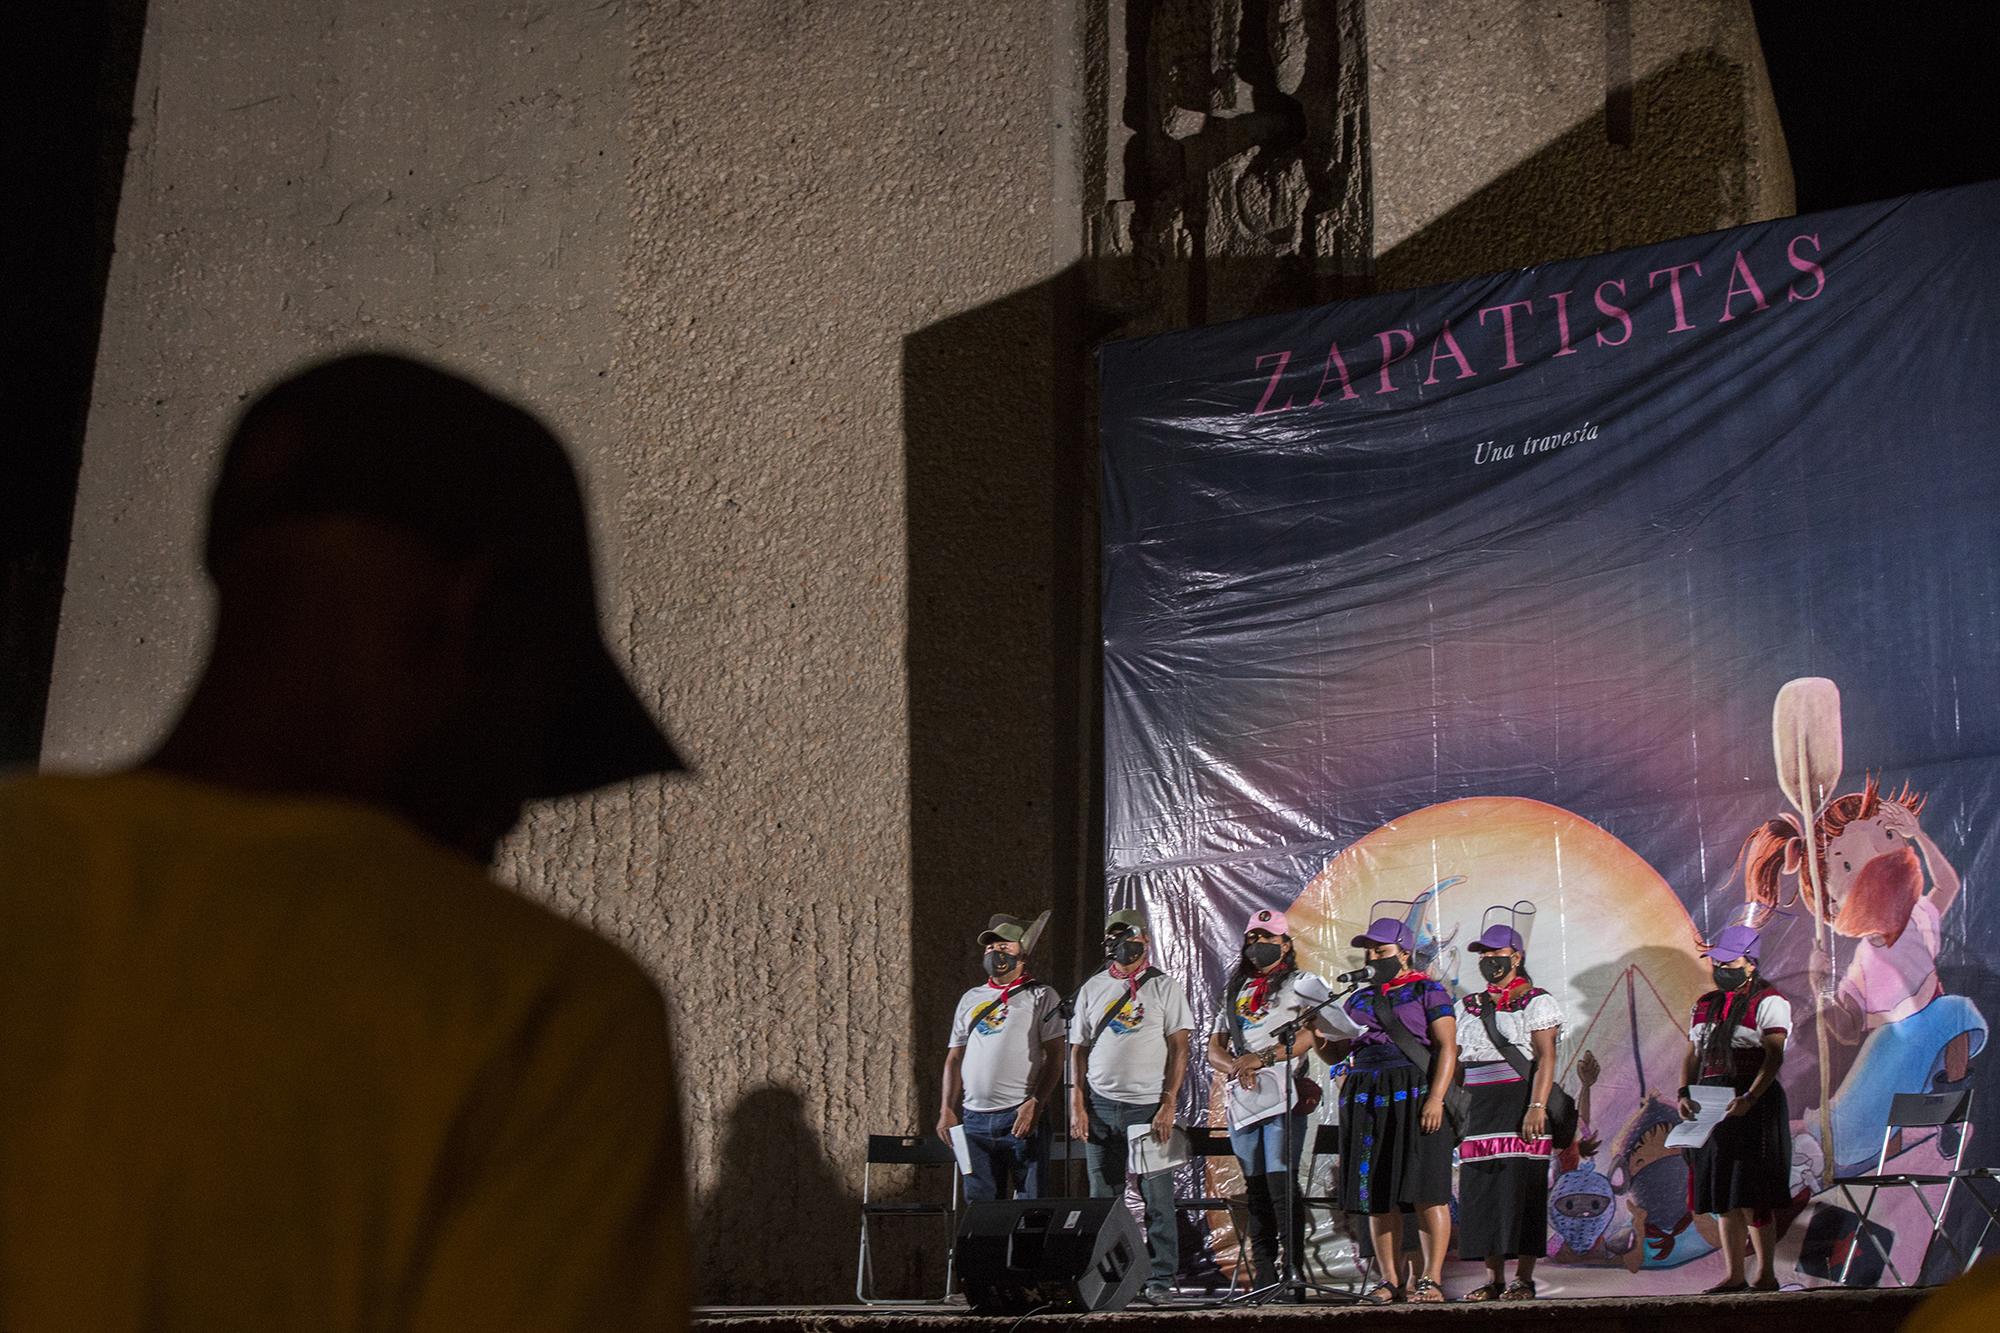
x: 287, y: 1064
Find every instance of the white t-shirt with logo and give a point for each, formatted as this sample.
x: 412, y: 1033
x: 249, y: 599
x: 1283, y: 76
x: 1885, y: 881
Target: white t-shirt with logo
x: 1004, y: 1053
x: 1128, y: 1063
x: 1292, y: 995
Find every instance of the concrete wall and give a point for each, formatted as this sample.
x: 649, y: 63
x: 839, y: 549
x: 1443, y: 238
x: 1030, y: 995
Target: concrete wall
x: 1511, y: 132
x: 697, y: 238
x: 795, y: 278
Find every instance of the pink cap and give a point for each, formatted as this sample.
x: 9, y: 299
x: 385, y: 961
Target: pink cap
x: 1266, y: 920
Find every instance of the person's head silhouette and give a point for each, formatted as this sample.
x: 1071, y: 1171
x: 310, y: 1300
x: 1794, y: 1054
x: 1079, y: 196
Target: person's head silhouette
x: 405, y: 608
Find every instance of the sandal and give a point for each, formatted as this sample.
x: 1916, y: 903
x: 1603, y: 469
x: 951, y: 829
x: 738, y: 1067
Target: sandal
x: 1520, y: 1289
x: 1425, y: 1292
x: 1774, y: 1285
x: 1726, y: 1288
x: 1491, y: 1291
x: 1383, y: 1294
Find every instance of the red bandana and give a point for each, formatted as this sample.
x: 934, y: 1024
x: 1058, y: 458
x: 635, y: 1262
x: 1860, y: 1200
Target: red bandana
x: 1131, y: 979
x: 1009, y: 988
x: 1504, y: 995
x: 1260, y: 985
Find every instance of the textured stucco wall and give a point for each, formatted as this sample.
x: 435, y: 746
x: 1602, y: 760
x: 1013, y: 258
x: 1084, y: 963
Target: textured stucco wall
x: 305, y: 176
x: 1511, y: 132
x: 812, y: 186
x: 726, y: 249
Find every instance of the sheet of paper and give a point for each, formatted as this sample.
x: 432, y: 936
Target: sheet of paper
x: 1710, y: 1104
x: 1247, y: 1107
x: 1147, y: 1154
x: 959, y: 1150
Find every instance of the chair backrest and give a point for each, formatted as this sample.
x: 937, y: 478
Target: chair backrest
x: 1926, y: 1110
x: 909, y: 1150
x: 906, y: 1150
x: 1930, y: 1110
x: 1208, y: 1142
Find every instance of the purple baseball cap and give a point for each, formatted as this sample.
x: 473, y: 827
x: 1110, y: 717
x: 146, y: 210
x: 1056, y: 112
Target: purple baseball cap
x: 1386, y: 930
x: 1499, y: 937
x: 1732, y: 943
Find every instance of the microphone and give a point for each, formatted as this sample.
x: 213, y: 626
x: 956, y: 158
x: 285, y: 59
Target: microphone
x: 1359, y: 974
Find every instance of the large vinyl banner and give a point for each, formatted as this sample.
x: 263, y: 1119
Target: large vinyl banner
x: 1632, y: 596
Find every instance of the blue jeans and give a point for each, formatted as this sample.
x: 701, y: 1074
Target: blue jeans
x: 1271, y: 1188
x: 1260, y: 1148
x: 1104, y: 1155
x: 999, y: 1159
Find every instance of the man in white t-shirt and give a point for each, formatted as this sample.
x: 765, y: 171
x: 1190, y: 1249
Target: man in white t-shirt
x: 1004, y: 1058
x: 1129, y: 1044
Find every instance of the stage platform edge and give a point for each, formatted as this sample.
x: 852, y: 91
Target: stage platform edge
x: 1815, y: 1311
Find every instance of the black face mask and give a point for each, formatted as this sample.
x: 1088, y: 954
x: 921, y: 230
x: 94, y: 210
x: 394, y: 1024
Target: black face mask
x: 1127, y: 952
x: 1495, y: 969
x: 1262, y: 954
x: 998, y: 963
x: 1730, y: 978
x: 1382, y: 971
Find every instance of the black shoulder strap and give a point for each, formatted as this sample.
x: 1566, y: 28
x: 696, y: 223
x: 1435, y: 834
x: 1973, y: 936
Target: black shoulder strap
x: 1027, y: 989
x: 1508, y: 1050
x: 1235, y: 1020
x: 1399, y: 1031
x: 1118, y: 1002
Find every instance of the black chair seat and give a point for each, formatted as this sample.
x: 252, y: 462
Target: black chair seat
x: 1891, y: 1180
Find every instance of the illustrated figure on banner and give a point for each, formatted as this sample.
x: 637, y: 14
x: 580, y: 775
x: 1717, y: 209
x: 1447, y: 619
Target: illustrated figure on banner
x: 1582, y: 1205
x: 1881, y: 881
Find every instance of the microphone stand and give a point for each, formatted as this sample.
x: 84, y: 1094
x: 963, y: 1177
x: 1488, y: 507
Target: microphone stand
x: 1066, y: 1010
x: 1292, y: 1283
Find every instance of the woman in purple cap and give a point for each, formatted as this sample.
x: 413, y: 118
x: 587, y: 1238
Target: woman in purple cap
x: 1737, y: 1040
x: 1395, y: 1149
x: 1503, y: 1162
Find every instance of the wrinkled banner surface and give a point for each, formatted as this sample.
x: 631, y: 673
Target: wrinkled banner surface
x: 1484, y: 596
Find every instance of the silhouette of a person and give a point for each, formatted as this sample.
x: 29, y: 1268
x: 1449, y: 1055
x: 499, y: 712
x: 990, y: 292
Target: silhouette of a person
x: 277, y: 1051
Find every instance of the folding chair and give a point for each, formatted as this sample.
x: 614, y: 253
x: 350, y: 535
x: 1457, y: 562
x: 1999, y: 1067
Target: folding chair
x: 1915, y: 1111
x: 1326, y: 1143
x: 912, y: 1150
x: 1206, y: 1143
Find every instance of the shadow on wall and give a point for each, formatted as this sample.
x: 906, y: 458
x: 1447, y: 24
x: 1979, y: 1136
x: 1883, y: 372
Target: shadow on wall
x: 776, y: 1186
x: 1000, y: 486
x: 78, y: 68
x: 1687, y: 171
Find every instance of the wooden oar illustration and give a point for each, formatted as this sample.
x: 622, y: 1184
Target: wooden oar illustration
x: 1805, y: 734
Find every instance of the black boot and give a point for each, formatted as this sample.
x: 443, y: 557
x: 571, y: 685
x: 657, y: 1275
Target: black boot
x: 1282, y: 1188
x: 1261, y: 1226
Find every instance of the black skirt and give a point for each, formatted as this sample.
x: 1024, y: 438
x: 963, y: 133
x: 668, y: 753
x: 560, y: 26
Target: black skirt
x: 1503, y: 1179
x: 1387, y: 1163
x: 1747, y: 1161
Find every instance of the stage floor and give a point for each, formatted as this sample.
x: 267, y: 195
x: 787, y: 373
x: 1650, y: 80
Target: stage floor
x: 1813, y: 1311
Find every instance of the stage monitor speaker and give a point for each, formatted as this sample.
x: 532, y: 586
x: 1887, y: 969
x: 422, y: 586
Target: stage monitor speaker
x: 1071, y: 1255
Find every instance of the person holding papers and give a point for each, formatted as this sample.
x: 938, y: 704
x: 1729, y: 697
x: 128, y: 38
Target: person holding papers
x: 1742, y: 1173
x: 1129, y: 1052
x: 1003, y: 1060
x: 1503, y: 1162
x: 1267, y: 1104
x: 1395, y: 1138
